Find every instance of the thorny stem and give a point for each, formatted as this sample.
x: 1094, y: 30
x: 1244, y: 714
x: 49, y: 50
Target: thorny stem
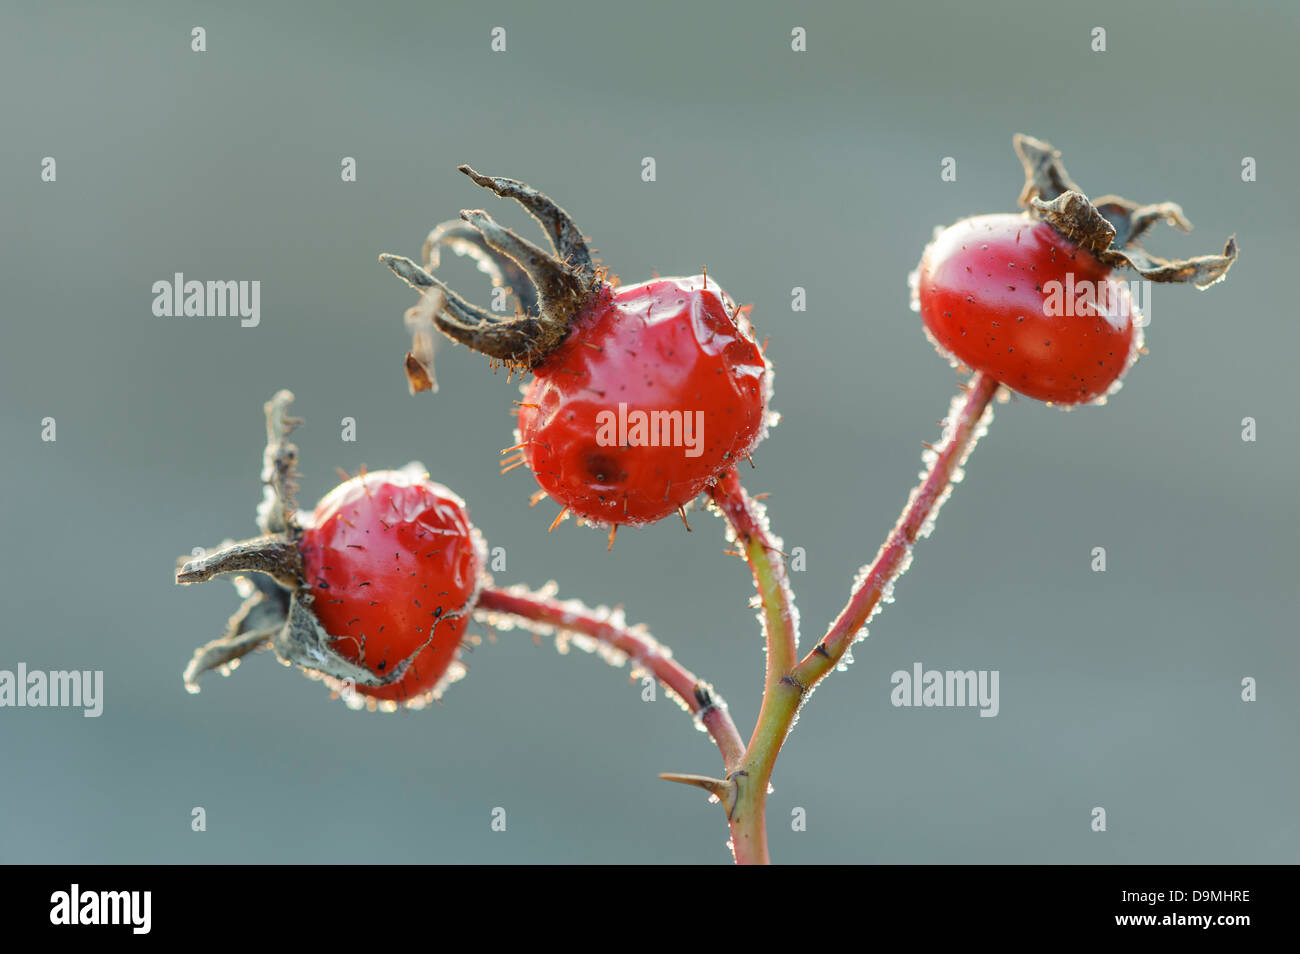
x: 781, y: 693
x: 640, y: 647
x: 788, y: 685
x: 962, y: 430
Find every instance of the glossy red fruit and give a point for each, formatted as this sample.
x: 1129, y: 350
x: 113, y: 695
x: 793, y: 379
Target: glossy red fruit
x: 370, y: 593
x: 1010, y: 296
x: 1030, y: 300
x: 393, y: 564
x: 658, y: 388
x: 642, y: 394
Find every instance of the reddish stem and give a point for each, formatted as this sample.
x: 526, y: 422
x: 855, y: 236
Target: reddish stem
x: 640, y: 647
x: 965, y: 424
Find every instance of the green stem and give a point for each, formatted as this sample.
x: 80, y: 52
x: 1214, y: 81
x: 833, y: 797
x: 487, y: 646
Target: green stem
x: 747, y: 812
x: 788, y: 683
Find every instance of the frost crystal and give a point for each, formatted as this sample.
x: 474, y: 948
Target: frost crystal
x: 572, y: 632
x: 931, y: 457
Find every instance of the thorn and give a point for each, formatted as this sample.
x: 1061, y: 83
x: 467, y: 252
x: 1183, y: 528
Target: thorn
x: 343, y: 474
x: 927, y: 445
x: 751, y: 461
x: 760, y: 496
x: 507, y: 450
x: 512, y: 465
x: 556, y: 522
x: 705, y: 270
x: 536, y: 498
x: 526, y: 404
x: 714, y: 786
x: 613, y: 532
x: 681, y: 512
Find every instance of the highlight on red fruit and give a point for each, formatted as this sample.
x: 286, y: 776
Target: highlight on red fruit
x: 642, y: 395
x: 1049, y: 301
x: 370, y: 593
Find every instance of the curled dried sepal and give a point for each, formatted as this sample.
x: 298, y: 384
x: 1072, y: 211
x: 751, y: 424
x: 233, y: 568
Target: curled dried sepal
x: 275, y: 555
x: 302, y: 641
x: 560, y: 291
x: 566, y: 238
x: 421, y: 319
x: 1111, y: 227
x: 550, y: 287
x: 466, y: 241
x: 253, y: 627
x: 268, y: 573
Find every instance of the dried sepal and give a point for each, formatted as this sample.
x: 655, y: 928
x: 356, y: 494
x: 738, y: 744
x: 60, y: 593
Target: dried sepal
x: 551, y: 288
x: 276, y: 610
x: 465, y: 240
x: 252, y: 627
x: 566, y: 238
x: 1111, y: 227
x: 275, y: 555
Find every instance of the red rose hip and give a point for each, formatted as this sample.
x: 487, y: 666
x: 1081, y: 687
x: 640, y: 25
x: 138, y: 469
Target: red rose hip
x: 1031, y: 299
x: 1012, y: 297
x: 370, y: 593
x: 642, y: 395
x: 658, y: 388
x: 393, y: 564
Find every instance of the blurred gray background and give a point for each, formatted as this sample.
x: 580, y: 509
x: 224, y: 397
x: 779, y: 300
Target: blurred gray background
x: 775, y: 169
